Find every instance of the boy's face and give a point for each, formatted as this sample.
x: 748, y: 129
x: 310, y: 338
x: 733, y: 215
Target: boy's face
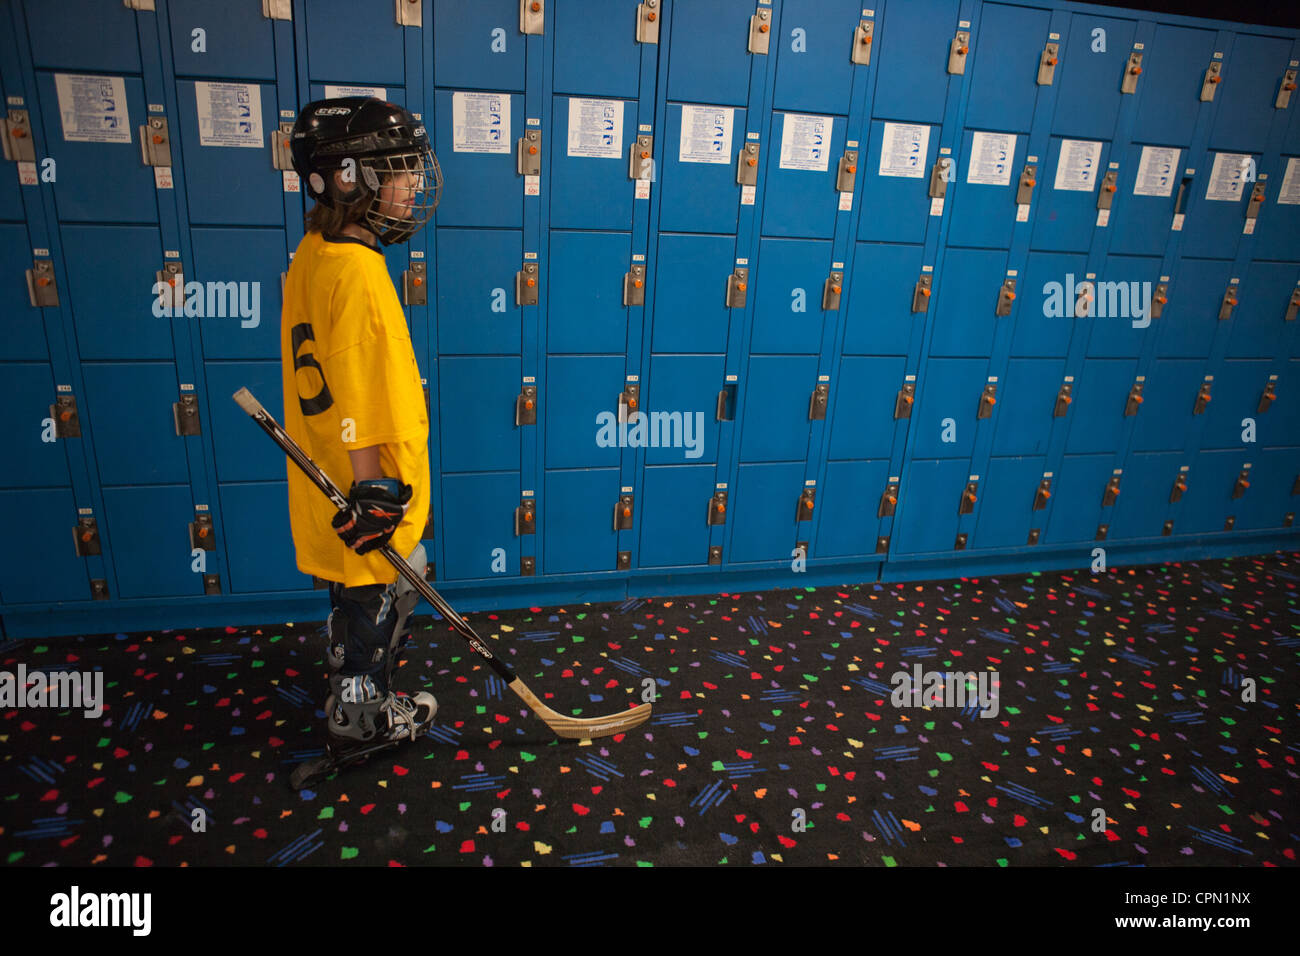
x: 398, y: 192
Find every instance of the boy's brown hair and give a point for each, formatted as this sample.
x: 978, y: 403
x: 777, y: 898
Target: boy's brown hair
x: 330, y: 220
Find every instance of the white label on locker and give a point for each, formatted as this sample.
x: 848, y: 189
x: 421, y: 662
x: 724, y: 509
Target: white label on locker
x: 720, y: 484
x: 292, y: 184
x: 936, y: 206
x: 532, y: 185
x: 93, y: 108
x: 747, y: 195
x: 41, y: 253
x: 990, y: 159
x: 963, y: 24
x: 18, y: 100
x: 1076, y: 167
x: 1012, y: 272
x: 823, y: 378
x: 806, y: 141
x: 633, y: 378
x: 1249, y: 228
x: 753, y: 136
x: 945, y: 150
x: 1178, y: 222
x: 156, y: 108
x: 625, y: 490
x: 1022, y: 212
x: 286, y: 114
x: 1289, y: 192
x: 850, y: 144
x: 1047, y: 474
x: 85, y: 511
x: 532, y: 122
x: 706, y: 134
x: 530, y: 255
x: 1139, y: 46
x: 27, y: 174
x: 230, y: 114
x: 638, y: 257
x: 809, y: 482
x: 1103, y: 217
x: 1031, y: 159
x: 526, y: 493
x: 480, y: 123
x: 1227, y: 176
x: 332, y: 92
x: 417, y: 254
x: 645, y: 128
x: 904, y: 150
x: 1053, y: 36
x: 846, y: 201
x: 909, y: 378
x: 529, y: 378
x: 643, y: 189
x: 595, y: 128
x: 927, y: 268
x: 742, y: 262
x: 1156, y: 171
x: 162, y: 177
x: 733, y: 378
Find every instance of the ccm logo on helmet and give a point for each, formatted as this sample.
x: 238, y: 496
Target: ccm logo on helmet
x: 334, y: 111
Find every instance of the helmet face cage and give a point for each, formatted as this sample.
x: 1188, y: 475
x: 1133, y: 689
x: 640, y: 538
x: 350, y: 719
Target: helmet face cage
x: 405, y: 189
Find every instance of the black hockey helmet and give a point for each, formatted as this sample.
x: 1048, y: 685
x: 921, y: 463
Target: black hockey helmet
x: 382, y: 149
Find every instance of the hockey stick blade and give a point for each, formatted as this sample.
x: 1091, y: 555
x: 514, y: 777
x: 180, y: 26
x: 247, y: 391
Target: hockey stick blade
x: 580, y: 728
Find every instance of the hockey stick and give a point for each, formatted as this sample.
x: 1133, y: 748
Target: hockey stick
x: 574, y: 727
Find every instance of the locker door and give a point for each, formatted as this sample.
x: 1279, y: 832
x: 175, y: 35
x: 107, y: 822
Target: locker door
x: 1066, y: 201
x: 949, y: 389
x: 1191, y: 317
x: 1236, y: 390
x: 1208, y: 501
x: 928, y: 503
x: 1006, y: 501
x: 1165, y: 421
x: 1077, y: 495
x: 964, y: 317
x: 1097, y: 412
x: 1259, y: 327
x: 1026, y: 403
x: 1143, y: 501
x: 765, y: 509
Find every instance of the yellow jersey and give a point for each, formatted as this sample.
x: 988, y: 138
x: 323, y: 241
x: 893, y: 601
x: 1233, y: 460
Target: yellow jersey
x: 350, y: 381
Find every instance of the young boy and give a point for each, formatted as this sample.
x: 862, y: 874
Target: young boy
x: 354, y: 402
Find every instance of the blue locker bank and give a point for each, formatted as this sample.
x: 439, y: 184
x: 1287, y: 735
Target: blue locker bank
x: 720, y: 295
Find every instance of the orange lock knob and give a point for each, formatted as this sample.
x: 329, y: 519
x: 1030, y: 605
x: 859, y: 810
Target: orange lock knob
x: 203, y: 532
x: 532, y: 150
x: 909, y: 399
x: 763, y: 28
x: 631, y: 402
x: 852, y: 169
x: 962, y: 50
x: 528, y: 404
x: 1067, y: 399
x: 43, y: 280
x: 1009, y: 295
x: 637, y: 284
x: 19, y: 133
x: 417, y: 281
x: 1047, y: 494
x: 1051, y: 61
x: 528, y: 516
x: 86, y: 536
x: 1136, y: 70
x: 536, y: 6
x: 65, y: 415
x: 991, y: 399
x: 808, y: 504
x: 1031, y: 183
x: 867, y: 38
x: 925, y: 292
x: 720, y: 506
x: 741, y: 286
x: 1288, y: 87
x: 892, y: 499
x: 1110, y: 187
x: 753, y: 161
x: 1162, y: 299
x: 970, y: 496
x: 531, y: 283
x: 627, y: 512
x: 1215, y: 79
x: 645, y: 154
x: 1244, y: 483
x: 652, y: 16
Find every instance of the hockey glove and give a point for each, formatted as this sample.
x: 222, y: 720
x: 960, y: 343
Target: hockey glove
x: 375, y: 508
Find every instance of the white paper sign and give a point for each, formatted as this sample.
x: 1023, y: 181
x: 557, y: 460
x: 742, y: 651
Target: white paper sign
x: 1227, y: 176
x: 596, y: 128
x: 1076, y: 167
x: 747, y: 195
x: 93, y: 108
x: 1289, y: 192
x: 806, y: 141
x: 706, y: 134
x: 991, y: 155
x: 230, y: 114
x: 331, y: 92
x: 480, y: 123
x: 903, y: 150
x: 1156, y: 171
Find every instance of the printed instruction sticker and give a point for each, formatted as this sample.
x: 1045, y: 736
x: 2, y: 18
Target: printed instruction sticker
x: 903, y: 151
x: 706, y: 134
x: 991, y: 155
x: 1227, y: 176
x: 93, y: 108
x: 480, y: 123
x: 332, y: 92
x: 595, y: 128
x: 1289, y: 192
x: 806, y: 141
x: 230, y: 114
x: 1156, y: 171
x: 1076, y: 167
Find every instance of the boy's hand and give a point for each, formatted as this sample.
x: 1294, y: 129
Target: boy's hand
x: 373, y: 513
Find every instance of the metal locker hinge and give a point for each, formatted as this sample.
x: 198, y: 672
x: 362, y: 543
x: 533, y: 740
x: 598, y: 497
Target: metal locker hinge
x: 1256, y: 200
x: 848, y: 171
x: 18, y: 145
x: 201, y: 534
x: 41, y: 287
x: 170, y: 281
x: 277, y: 9
x: 831, y: 292
x: 957, y: 51
x: 1132, y: 70
x: 99, y: 589
x: 281, y: 155
x: 1107, y: 192
x: 185, y: 415
x: 1213, y: 74
x: 882, y: 544
x: 737, y: 283
x: 211, y: 584
x: 968, y: 498
x: 726, y: 401
x: 629, y: 400
x: 415, y: 286
x: 85, y: 538
x: 1102, y: 531
x: 526, y: 517
x: 529, y: 153
x: 1006, y: 295
x: 760, y: 30
x: 1229, y: 523
x: 1168, y: 528
x: 526, y: 284
x: 623, y: 561
x: 1285, y: 90
x: 67, y: 421
x: 960, y: 543
x: 921, y: 294
x: 1033, y: 536
x: 1177, y: 491
x: 1047, y: 64
x: 1243, y: 482
x: 888, y: 500
x: 634, y: 286
x: 1202, y: 399
x: 1289, y: 519
x: 640, y: 159
x: 715, y: 554
x: 1063, y: 399
x: 1293, y: 308
x: 1158, y: 299
x: 647, y: 22
x: 817, y: 403
x: 623, y: 514
x: 1134, y: 400
x: 1043, y: 494
x: 532, y: 14
x: 802, y: 548
x: 940, y: 176
x: 906, y: 398
x: 527, y: 565
x: 138, y: 4
x: 988, y: 398
x: 718, y: 508
x: 1111, y: 493
x: 747, y: 165
x: 862, y: 38
x: 1028, y: 180
x: 526, y: 406
x: 804, y: 510
x: 155, y: 144
x: 1267, y: 398
x: 409, y: 13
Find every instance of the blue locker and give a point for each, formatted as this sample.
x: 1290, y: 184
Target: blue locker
x: 1142, y: 225
x: 1208, y: 500
x: 589, y: 192
x: 476, y: 401
x: 1169, y: 89
x: 911, y: 60
x: 1026, y: 404
x: 1191, y: 317
x: 84, y: 35
x: 848, y: 504
x: 687, y: 385
x: 113, y: 307
x: 690, y: 310
x: 804, y: 202
x: 50, y: 570
x: 928, y: 502
x: 1040, y: 330
x: 252, y: 256
x: 1006, y: 501
x: 1269, y: 499
x: 1064, y: 218
x: 862, y: 417
x: 702, y: 196
x: 595, y: 53
x: 476, y: 291
x: 488, y: 190
x: 577, y: 519
x: 1277, y: 232
x: 586, y: 267
x: 1004, y: 85
x: 764, y: 512
x: 788, y: 282
x: 983, y: 214
x: 814, y: 73
x: 1077, y: 491
x: 1145, y: 486
x: 27, y: 391
x: 478, y: 515
x: 877, y: 310
x: 255, y: 535
x: 964, y: 317
x: 1214, y: 226
x: 476, y: 47
x: 1120, y: 336
x: 238, y: 43
x: 1245, y: 96
x: 24, y: 333
x: 578, y: 389
x: 129, y: 407
x: 1236, y: 391
x: 1088, y: 102
x: 673, y: 530
x: 1096, y: 412
x: 145, y: 520
x: 1165, y: 421
x: 948, y: 389
x: 774, y: 400
x: 710, y: 59
x: 895, y: 208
